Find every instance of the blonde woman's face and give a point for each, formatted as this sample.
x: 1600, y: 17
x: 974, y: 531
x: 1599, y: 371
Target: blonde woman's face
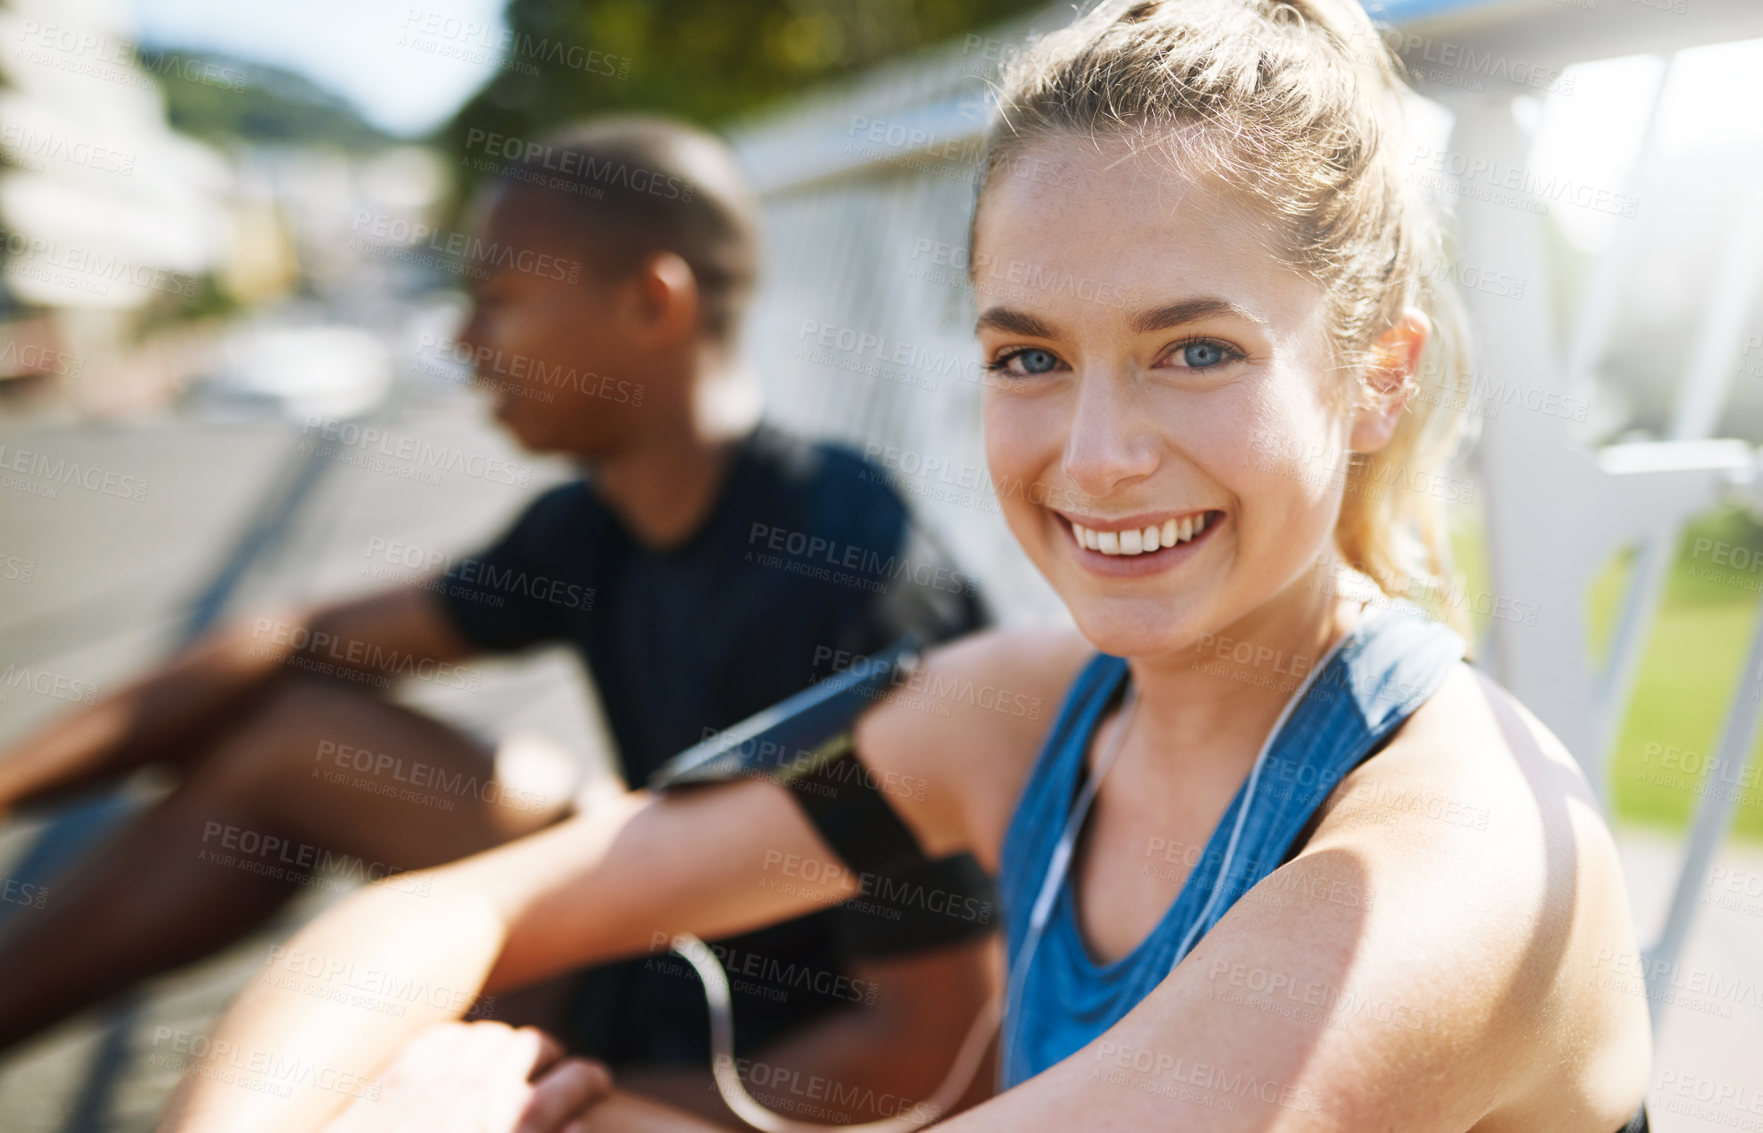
x: 1154, y: 367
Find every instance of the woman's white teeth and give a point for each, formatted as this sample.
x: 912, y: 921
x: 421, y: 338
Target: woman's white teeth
x: 1137, y: 542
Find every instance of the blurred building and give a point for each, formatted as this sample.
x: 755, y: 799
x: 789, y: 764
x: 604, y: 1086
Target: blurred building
x: 106, y: 212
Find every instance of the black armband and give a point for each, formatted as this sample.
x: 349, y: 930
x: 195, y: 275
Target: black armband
x: 805, y: 743
x: 946, y: 901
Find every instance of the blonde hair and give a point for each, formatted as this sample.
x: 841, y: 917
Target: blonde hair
x: 1294, y: 106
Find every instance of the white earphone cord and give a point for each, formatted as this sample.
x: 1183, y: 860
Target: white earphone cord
x: 1056, y: 867
x: 747, y: 1107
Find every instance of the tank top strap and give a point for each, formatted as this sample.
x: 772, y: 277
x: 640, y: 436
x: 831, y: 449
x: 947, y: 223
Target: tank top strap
x: 1392, y: 662
x: 1041, y: 809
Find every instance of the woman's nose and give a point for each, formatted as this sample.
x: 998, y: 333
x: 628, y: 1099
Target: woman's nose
x: 1111, y: 441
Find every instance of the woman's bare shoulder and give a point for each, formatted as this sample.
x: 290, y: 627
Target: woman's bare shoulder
x: 1478, y: 797
x: 1473, y: 770
x: 970, y: 720
x: 1476, y: 742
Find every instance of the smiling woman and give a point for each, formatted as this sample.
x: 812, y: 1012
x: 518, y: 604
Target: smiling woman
x: 1282, y: 860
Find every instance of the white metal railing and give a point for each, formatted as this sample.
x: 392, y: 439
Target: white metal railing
x: 1556, y: 512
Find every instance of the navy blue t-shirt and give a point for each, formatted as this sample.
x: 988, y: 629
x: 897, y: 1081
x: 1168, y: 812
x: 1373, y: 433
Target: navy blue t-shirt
x: 807, y: 559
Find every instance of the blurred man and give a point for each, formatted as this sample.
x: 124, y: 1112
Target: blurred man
x: 610, y: 270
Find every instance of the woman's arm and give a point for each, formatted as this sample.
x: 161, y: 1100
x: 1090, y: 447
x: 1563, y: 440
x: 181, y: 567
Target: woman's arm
x: 468, y: 1077
x: 627, y: 1113
x: 1383, y: 979
x: 616, y: 879
x: 1298, y: 1013
x: 619, y: 878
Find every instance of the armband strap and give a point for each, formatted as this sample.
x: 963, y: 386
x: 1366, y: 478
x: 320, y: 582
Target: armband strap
x: 805, y: 743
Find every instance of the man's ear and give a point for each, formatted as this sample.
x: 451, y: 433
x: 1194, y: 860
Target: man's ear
x: 667, y: 298
x: 1389, y: 381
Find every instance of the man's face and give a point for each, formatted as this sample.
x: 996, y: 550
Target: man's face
x: 556, y: 345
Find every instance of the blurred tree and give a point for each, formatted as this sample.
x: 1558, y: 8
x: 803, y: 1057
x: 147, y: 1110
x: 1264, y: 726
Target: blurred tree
x: 703, y: 60
x: 263, y: 104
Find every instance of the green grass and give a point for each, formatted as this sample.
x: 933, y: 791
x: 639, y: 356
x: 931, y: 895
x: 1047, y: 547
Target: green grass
x: 1689, y: 674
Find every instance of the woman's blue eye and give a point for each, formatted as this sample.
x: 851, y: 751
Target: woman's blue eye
x: 1030, y: 361
x: 1200, y: 355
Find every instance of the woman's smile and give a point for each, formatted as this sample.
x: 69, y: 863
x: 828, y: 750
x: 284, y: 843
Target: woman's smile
x: 1141, y: 544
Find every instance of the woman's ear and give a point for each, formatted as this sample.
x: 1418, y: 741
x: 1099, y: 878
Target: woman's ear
x: 1389, y: 381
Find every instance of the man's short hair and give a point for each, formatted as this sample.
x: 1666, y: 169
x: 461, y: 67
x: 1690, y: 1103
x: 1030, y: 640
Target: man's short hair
x: 633, y: 185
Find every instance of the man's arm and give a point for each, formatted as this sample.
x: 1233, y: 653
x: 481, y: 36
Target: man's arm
x: 166, y: 713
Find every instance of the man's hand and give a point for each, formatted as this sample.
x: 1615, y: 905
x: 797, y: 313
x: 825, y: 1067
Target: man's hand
x: 480, y: 1077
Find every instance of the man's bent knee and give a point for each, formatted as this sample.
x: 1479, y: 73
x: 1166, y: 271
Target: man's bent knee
x: 308, y: 733
x: 535, y: 780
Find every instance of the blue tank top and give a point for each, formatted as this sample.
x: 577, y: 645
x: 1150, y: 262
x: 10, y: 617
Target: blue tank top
x: 1380, y: 672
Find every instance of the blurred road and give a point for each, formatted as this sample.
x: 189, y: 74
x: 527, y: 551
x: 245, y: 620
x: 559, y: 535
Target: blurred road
x: 110, y: 536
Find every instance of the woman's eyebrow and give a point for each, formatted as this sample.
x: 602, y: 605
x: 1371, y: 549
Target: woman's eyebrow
x: 1012, y: 322
x: 1187, y: 311
x: 1144, y: 322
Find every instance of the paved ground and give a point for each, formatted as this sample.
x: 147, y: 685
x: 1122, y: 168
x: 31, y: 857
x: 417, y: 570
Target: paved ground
x: 1708, y: 1058
x: 109, y: 583
x: 101, y: 582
